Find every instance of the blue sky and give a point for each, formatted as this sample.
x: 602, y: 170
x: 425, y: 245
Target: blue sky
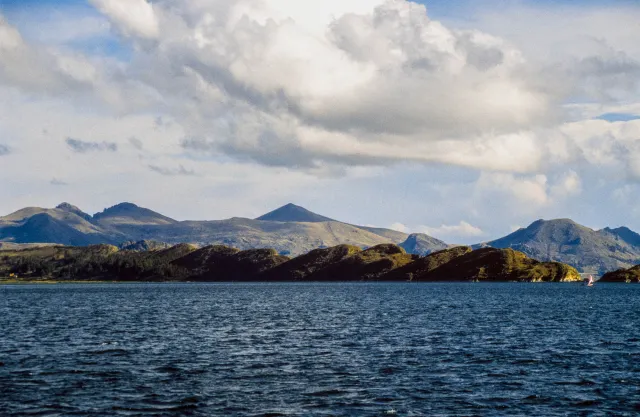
x: 502, y: 113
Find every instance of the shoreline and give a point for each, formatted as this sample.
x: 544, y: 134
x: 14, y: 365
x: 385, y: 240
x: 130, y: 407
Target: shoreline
x: 95, y: 282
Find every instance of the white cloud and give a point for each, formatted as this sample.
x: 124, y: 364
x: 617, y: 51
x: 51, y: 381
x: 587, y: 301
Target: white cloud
x: 568, y: 185
x: 133, y: 17
x: 460, y: 230
x: 527, y: 191
x: 330, y: 89
x: 335, y: 83
x: 399, y: 227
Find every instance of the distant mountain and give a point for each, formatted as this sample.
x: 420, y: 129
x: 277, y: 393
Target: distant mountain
x: 130, y: 214
x: 291, y: 230
x: 564, y: 240
x: 626, y: 234
x: 45, y: 228
x: 393, y: 235
x: 297, y: 214
x: 292, y: 213
x: 64, y: 225
x: 421, y: 244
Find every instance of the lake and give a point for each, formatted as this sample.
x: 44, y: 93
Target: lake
x: 357, y: 349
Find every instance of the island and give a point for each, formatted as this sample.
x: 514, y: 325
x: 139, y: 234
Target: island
x: 628, y: 275
x: 144, y: 261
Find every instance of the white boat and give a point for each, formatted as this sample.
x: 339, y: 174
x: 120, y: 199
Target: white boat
x: 590, y: 281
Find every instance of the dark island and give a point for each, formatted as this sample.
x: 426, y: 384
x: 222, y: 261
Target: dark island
x: 184, y: 262
x: 630, y: 275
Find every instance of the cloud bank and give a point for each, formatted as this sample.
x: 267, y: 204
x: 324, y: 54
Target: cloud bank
x: 513, y: 114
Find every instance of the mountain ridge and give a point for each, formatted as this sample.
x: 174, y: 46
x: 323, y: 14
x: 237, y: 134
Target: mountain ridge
x: 290, y: 229
x: 293, y: 230
x: 564, y: 240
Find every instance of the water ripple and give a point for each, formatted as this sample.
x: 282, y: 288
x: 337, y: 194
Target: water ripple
x: 319, y: 349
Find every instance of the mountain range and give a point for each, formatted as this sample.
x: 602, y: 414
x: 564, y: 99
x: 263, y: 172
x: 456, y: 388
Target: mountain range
x: 293, y: 230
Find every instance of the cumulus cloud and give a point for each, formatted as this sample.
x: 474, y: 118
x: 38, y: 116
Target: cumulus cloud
x: 399, y: 227
x: 346, y: 83
x: 569, y: 184
x: 134, y: 17
x: 460, y: 230
x: 329, y: 88
x: 34, y: 68
x: 526, y: 191
x: 81, y: 146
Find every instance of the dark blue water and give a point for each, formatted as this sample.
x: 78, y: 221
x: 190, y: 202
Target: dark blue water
x: 320, y: 349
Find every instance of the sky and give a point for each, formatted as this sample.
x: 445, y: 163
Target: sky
x: 465, y: 121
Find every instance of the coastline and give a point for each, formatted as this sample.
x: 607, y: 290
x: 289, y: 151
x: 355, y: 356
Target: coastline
x: 98, y: 282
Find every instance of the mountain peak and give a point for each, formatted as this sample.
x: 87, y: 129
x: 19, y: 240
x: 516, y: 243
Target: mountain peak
x: 124, y: 206
x: 129, y: 213
x: 67, y: 207
x: 422, y: 244
x: 293, y: 213
x: 555, y: 222
x: 624, y: 233
x: 70, y: 208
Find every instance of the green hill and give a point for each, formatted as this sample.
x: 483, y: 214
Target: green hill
x: 184, y: 262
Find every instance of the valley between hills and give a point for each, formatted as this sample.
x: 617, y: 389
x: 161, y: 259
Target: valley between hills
x: 154, y: 245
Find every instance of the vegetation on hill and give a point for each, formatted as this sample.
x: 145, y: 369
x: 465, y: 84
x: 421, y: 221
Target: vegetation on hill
x: 364, y: 265
x: 303, y: 266
x: 490, y: 264
x: 292, y: 231
x: 630, y: 275
x: 418, y: 270
x: 185, y: 262
x: 143, y: 245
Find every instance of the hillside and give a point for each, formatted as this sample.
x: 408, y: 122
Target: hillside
x: 564, y: 240
x: 293, y: 230
x: 58, y: 225
x: 630, y: 275
x: 222, y: 264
